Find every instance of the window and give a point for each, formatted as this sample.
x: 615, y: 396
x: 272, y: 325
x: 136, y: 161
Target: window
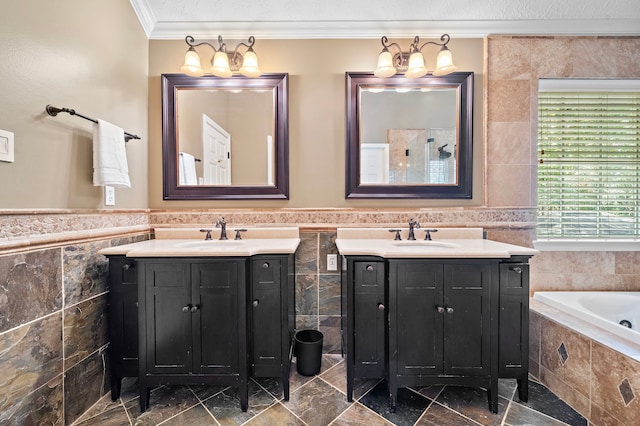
x: 589, y: 159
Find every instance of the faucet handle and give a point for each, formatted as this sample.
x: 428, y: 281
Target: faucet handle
x: 208, y: 231
x: 238, y: 231
x: 397, y: 231
x: 428, y: 233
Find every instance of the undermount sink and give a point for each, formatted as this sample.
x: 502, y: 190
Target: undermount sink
x: 425, y: 244
x: 209, y: 244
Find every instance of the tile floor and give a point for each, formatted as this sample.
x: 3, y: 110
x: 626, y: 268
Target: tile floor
x: 321, y: 400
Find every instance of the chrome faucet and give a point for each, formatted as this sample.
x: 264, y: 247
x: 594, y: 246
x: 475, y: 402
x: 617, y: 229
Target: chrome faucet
x: 413, y: 225
x: 221, y: 223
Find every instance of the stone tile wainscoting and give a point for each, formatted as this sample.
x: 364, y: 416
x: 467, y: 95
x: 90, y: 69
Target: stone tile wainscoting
x: 569, y: 357
x: 53, y: 312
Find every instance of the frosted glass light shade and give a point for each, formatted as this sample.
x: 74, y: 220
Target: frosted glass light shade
x: 444, y: 63
x: 220, y: 66
x: 192, y: 65
x: 416, y: 66
x: 385, y: 66
x: 250, y: 64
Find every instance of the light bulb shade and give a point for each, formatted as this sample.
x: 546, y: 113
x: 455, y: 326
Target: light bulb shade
x: 385, y: 66
x: 416, y: 66
x: 250, y: 64
x: 220, y: 67
x: 192, y: 65
x: 444, y: 63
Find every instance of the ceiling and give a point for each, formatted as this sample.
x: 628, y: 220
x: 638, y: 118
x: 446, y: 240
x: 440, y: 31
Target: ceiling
x: 332, y: 19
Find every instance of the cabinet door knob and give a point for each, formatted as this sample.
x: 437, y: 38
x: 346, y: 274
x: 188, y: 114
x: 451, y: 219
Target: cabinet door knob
x: 127, y: 266
x: 369, y: 268
x: 517, y: 269
x: 195, y: 308
x: 265, y: 265
x: 440, y: 309
x: 186, y: 308
x: 255, y: 303
x: 449, y: 309
x: 380, y: 307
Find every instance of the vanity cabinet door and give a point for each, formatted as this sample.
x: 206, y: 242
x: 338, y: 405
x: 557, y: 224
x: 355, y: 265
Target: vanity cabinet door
x: 369, y: 318
x: 467, y: 316
x: 267, y: 316
x: 123, y: 321
x: 440, y: 317
x: 416, y: 327
x: 168, y: 318
x: 514, y: 324
x: 214, y: 306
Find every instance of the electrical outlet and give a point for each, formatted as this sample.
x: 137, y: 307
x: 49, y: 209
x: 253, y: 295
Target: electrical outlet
x: 109, y: 195
x: 332, y: 262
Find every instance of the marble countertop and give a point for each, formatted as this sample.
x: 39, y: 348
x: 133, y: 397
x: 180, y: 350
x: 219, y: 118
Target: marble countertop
x: 446, y: 243
x: 190, y: 242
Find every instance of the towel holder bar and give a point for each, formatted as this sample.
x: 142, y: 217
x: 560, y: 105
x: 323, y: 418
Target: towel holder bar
x: 53, y: 111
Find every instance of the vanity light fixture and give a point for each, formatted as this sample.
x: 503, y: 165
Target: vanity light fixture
x: 223, y: 63
x: 411, y: 63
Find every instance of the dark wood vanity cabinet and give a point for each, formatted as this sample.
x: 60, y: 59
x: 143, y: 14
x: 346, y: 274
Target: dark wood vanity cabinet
x: 200, y: 320
x: 123, y: 321
x: 418, y: 322
x: 193, y: 317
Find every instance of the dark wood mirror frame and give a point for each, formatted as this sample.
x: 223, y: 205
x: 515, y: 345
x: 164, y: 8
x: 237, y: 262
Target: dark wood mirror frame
x: 171, y: 83
x: 463, y: 81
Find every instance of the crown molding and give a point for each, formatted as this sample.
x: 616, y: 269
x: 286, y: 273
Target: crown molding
x: 396, y: 29
x: 145, y: 14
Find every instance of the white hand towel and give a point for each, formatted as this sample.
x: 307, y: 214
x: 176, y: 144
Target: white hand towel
x: 188, y: 175
x: 109, y: 156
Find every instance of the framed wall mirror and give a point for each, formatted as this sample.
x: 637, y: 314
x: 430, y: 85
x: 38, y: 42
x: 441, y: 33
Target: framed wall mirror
x: 409, y: 138
x: 225, y: 138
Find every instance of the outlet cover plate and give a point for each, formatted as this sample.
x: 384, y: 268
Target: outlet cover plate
x: 6, y: 146
x: 109, y: 195
x: 332, y: 262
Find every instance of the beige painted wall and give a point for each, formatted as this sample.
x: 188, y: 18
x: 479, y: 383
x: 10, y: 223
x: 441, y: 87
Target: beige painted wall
x: 87, y: 55
x: 316, y: 117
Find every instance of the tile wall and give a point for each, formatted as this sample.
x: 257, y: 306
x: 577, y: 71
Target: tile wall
x: 53, y: 329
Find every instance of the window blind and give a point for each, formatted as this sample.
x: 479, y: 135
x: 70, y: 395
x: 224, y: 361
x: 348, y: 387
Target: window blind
x: 589, y: 164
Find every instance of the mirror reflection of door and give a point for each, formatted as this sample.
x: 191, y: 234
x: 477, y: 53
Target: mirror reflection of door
x: 216, y: 148
x: 374, y: 158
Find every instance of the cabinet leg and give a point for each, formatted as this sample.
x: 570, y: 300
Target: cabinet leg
x: 285, y: 386
x: 523, y: 389
x: 393, y: 399
x: 244, y: 396
x: 349, y: 389
x: 116, y: 386
x: 145, y: 394
x: 492, y: 393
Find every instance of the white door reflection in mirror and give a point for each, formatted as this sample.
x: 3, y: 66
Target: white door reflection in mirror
x: 374, y: 159
x: 216, y: 153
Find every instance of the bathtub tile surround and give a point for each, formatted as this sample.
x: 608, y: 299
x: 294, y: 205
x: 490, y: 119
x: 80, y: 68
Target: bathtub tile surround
x: 597, y: 380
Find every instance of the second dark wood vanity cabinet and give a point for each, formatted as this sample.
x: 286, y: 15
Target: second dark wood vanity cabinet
x: 417, y: 322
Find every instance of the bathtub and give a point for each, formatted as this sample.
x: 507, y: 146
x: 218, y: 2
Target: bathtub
x: 604, y: 309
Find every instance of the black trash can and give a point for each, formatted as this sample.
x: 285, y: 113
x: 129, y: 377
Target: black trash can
x: 308, y: 352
